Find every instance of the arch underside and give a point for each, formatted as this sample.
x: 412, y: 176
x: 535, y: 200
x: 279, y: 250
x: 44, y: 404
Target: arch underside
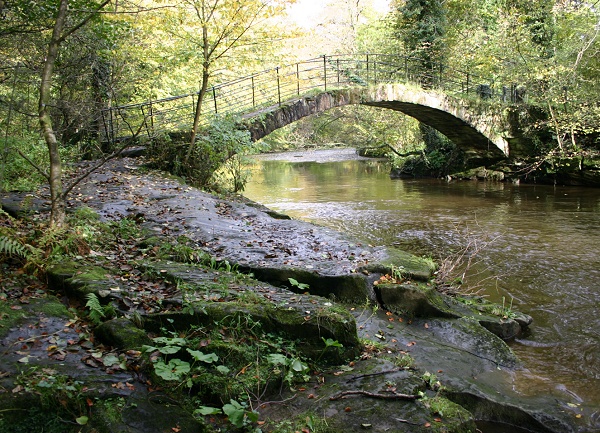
x: 464, y: 135
x: 457, y: 130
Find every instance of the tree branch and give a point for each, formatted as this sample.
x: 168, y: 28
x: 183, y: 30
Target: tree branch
x: 390, y: 396
x: 84, y: 21
x: 34, y: 165
x: 103, y: 161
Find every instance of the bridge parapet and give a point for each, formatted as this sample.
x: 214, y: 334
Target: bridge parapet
x: 273, y: 90
x: 275, y: 86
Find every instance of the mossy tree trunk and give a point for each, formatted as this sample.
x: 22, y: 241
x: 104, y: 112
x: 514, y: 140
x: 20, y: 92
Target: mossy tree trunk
x: 54, y: 177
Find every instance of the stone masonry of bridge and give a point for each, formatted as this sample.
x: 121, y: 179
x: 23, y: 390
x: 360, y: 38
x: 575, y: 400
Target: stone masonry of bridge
x: 473, y: 129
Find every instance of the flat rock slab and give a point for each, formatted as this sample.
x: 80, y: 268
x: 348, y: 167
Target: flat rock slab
x: 244, y: 233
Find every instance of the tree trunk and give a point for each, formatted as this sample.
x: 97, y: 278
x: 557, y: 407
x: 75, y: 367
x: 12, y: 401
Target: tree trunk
x: 205, y: 76
x: 198, y: 112
x: 57, y: 215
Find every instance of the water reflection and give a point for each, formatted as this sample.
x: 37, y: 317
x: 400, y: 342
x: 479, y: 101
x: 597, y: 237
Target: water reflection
x: 546, y: 249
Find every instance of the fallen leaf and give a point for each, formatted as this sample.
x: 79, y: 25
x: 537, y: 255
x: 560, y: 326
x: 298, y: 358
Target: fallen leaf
x: 82, y: 420
x: 427, y: 425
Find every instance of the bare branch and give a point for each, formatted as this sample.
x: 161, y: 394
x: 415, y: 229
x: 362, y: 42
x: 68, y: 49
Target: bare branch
x: 34, y: 165
x: 389, y: 396
x: 103, y: 161
x: 84, y: 21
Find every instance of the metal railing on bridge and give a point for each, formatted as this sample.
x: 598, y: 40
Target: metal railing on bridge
x: 272, y: 87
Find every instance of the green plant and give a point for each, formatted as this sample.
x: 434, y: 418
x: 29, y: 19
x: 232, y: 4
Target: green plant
x: 176, y: 369
x: 56, y: 391
x: 300, y: 286
x: 404, y: 361
x: 329, y: 343
x: 13, y: 247
x: 504, y: 311
x: 398, y: 272
x: 431, y: 381
x: 292, y: 368
x: 238, y: 414
x: 96, y: 311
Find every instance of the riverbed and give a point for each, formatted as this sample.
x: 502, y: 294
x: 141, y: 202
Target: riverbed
x: 537, y: 249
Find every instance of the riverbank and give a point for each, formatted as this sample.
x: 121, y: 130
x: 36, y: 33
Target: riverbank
x: 415, y: 367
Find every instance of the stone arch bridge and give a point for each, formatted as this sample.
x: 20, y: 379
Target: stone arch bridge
x: 480, y: 131
x: 458, y: 104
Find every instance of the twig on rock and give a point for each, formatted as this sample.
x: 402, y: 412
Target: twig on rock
x: 389, y: 396
x: 406, y: 421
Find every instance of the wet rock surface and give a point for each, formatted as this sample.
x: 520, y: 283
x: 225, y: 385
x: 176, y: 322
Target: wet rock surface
x: 387, y: 375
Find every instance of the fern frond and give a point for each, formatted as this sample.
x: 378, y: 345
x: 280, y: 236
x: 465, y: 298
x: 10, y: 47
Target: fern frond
x: 96, y: 313
x: 13, y: 247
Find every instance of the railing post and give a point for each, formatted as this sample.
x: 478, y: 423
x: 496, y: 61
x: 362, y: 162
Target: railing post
x: 441, y: 74
x: 367, y: 68
x: 214, y: 92
x: 278, y: 86
x: 337, y: 67
x: 145, y: 119
x: 468, y: 79
x: 325, y: 71
x: 406, y: 69
x: 298, y: 79
x: 375, y: 70
x: 253, y: 93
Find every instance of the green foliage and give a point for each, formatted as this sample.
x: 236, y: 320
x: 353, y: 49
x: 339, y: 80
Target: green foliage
x: 57, y: 392
x: 216, y: 158
x: 176, y: 369
x: 238, y: 414
x: 292, y: 368
x: 404, y: 361
x: 96, y: 311
x: 15, y: 172
x: 421, y: 25
x: 13, y: 247
x: 298, y: 285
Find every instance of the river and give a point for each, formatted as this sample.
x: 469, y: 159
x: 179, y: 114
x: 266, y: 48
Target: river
x: 538, y: 249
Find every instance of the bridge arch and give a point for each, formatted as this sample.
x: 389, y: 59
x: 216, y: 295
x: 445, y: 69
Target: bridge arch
x: 469, y: 129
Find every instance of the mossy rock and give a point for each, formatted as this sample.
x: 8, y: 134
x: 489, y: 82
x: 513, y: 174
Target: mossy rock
x: 415, y: 300
x: 144, y: 413
x: 14, y: 313
x: 121, y: 333
x: 407, y: 264
x: 350, y: 288
x: 78, y: 281
x: 452, y: 417
x: 425, y: 301
x: 295, y: 325
x: 504, y: 415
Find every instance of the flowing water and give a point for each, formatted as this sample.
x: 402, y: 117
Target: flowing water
x: 538, y: 248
